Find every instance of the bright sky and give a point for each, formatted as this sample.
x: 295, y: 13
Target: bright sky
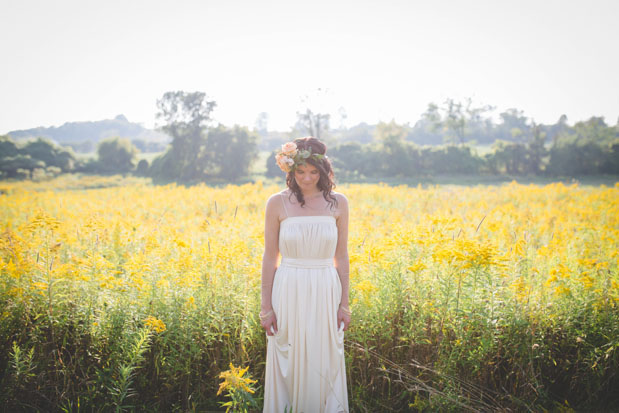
x: 76, y: 60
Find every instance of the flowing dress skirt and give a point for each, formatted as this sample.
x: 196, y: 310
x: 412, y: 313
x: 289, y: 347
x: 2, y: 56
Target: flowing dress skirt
x: 305, y: 363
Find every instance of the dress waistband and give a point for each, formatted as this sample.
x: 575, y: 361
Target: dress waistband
x: 307, y: 262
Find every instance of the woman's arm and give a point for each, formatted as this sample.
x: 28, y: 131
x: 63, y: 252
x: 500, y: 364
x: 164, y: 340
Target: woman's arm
x: 269, y: 263
x: 342, y: 263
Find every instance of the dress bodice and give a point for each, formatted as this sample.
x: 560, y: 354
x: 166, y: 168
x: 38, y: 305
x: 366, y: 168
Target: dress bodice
x: 308, y: 237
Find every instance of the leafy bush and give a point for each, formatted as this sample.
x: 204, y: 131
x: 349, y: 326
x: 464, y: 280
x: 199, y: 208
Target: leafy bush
x: 39, y: 159
x: 116, y: 155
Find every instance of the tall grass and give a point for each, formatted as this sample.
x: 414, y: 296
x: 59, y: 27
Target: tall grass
x: 136, y: 297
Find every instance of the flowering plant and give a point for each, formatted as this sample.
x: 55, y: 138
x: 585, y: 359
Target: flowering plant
x: 289, y: 157
x: 240, y: 389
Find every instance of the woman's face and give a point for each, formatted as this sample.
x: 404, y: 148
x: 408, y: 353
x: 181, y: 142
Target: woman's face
x: 307, y: 176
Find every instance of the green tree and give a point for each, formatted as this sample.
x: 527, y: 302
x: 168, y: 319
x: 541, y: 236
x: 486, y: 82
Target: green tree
x: 19, y: 166
x: 349, y: 160
x: 314, y: 124
x: 398, y: 157
x: 273, y: 171
x: 508, y: 157
x: 50, y: 153
x: 41, y: 149
x: 514, y: 126
x: 448, y: 159
x: 558, y: 129
x: 456, y: 120
x: 611, y: 164
x: 314, y: 118
x: 536, y: 150
x: 361, y: 133
x: 116, y: 155
x: 570, y: 158
x: 427, y: 130
x: 186, y: 117
x: 142, y: 168
x: 594, y: 130
x: 40, y: 155
x: 232, y: 151
x: 7, y: 147
x: 584, y: 149
x: 390, y: 132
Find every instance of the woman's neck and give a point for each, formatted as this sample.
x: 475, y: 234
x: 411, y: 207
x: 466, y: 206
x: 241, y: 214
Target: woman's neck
x: 312, y: 194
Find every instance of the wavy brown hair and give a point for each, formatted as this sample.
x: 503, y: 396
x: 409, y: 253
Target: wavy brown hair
x: 326, y: 183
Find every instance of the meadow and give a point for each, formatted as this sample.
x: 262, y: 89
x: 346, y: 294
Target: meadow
x: 124, y: 296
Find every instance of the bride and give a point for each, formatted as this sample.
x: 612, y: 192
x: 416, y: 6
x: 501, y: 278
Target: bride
x: 304, y: 308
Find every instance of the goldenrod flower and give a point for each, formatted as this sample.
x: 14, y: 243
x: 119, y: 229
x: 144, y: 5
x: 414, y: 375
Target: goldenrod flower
x: 234, y: 380
x: 155, y: 324
x: 418, y: 266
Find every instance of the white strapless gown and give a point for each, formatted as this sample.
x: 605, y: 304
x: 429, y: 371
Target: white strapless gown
x: 305, y: 365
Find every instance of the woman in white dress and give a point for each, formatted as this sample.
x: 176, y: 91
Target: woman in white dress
x: 304, y: 308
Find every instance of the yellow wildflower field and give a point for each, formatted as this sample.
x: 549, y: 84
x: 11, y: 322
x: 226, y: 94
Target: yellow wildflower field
x: 442, y: 275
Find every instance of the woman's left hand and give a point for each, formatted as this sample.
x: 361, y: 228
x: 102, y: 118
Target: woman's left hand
x: 343, y: 316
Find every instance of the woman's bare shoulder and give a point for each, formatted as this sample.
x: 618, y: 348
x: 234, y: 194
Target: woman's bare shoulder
x: 340, y: 197
x: 276, y: 196
x: 342, y: 204
x: 275, y: 204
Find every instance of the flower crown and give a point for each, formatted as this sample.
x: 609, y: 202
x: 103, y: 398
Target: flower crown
x: 289, y: 157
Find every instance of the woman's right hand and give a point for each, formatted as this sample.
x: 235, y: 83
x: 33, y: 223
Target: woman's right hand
x: 268, y: 321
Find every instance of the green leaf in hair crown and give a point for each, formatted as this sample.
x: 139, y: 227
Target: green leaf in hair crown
x: 289, y: 157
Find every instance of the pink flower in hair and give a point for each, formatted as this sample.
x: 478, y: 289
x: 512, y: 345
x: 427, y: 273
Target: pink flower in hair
x: 285, y: 163
x: 289, y: 149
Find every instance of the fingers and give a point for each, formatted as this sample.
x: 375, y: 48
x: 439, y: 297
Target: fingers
x: 271, y: 330
x: 343, y: 318
x: 270, y: 327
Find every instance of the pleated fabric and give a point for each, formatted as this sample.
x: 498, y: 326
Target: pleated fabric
x: 305, y: 364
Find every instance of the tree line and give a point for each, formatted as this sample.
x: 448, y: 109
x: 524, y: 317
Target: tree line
x: 35, y: 159
x: 202, y: 151
x: 41, y: 159
x: 519, y: 146
x: 588, y: 148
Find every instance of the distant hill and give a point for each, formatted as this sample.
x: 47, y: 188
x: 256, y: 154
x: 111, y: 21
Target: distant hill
x: 92, y: 132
